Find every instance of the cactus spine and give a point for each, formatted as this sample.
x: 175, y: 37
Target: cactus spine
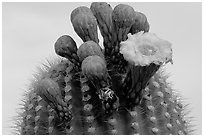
x: 110, y: 91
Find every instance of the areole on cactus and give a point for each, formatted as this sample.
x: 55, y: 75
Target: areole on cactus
x: 120, y: 89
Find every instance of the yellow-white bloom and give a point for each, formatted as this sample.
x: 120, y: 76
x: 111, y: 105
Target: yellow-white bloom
x: 141, y: 49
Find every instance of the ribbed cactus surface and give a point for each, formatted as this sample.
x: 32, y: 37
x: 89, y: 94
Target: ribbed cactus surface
x: 120, y: 89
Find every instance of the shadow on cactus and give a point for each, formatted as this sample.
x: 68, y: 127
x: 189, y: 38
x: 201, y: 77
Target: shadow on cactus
x: 120, y: 89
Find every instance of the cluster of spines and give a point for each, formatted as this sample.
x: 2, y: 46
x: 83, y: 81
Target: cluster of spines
x: 90, y: 126
x: 113, y: 124
x: 51, y: 117
x: 38, y: 116
x: 159, y: 112
x: 35, y: 116
x: 29, y: 114
x: 68, y: 97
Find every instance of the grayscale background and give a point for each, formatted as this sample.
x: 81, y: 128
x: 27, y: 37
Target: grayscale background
x: 31, y: 29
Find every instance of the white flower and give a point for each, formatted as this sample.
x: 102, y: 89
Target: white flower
x: 145, y: 48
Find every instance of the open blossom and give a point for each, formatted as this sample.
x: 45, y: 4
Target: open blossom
x: 145, y: 48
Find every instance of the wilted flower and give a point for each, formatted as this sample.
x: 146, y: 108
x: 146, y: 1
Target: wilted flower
x: 145, y: 48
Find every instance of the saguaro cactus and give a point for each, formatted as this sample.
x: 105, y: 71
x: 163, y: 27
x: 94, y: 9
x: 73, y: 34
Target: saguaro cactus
x: 120, y: 89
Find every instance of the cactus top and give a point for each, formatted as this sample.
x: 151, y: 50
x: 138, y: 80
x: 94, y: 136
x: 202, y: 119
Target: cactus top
x: 145, y: 48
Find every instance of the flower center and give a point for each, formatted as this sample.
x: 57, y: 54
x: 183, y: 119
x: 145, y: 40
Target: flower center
x: 147, y: 50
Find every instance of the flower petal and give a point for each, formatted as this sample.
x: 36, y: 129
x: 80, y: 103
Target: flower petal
x: 145, y: 48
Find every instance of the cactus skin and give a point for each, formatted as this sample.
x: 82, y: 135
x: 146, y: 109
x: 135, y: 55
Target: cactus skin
x: 73, y: 96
